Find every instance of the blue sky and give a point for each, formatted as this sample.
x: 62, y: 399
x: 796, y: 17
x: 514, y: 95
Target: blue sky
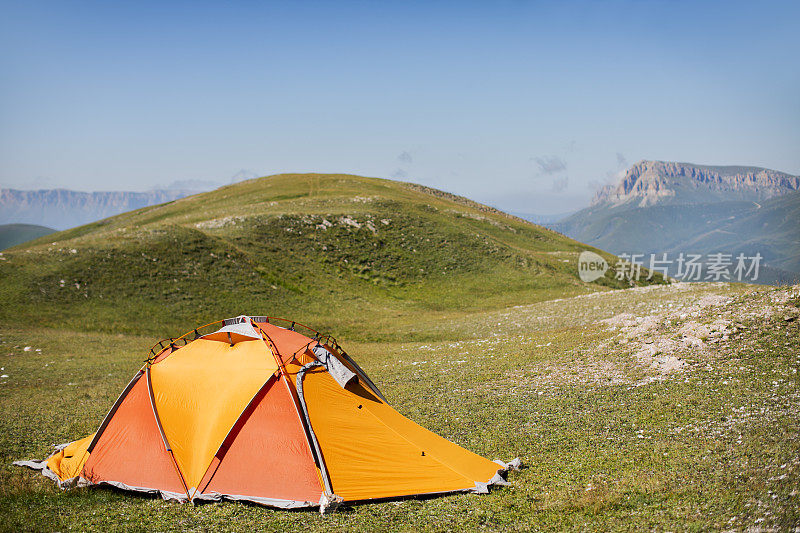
x: 524, y: 105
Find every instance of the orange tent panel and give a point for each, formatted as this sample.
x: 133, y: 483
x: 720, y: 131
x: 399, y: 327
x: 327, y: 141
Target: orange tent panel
x: 130, y: 451
x: 287, y: 342
x: 267, y: 454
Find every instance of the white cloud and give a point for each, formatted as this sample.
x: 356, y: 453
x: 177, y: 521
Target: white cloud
x: 550, y: 164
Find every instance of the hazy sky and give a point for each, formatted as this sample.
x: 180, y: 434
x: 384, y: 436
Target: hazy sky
x: 523, y: 105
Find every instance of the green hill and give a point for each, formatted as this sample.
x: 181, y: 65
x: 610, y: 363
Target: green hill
x: 771, y: 228
x: 342, y: 252
x: 14, y: 234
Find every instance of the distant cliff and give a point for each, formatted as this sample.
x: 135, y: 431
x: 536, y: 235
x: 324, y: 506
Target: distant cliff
x: 663, y: 207
x: 659, y: 182
x: 62, y: 209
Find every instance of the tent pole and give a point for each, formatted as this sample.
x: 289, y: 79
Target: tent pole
x: 326, y: 481
x: 163, y: 435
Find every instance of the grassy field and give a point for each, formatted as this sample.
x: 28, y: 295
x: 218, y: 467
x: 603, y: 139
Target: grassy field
x: 678, y: 413
x: 659, y: 406
x: 292, y: 245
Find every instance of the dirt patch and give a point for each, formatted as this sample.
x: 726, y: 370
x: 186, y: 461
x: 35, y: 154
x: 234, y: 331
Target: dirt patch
x: 676, y: 338
x: 668, y: 342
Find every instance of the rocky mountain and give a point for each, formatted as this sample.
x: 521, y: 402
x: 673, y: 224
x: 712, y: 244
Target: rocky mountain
x: 62, y: 209
x: 662, y: 182
x: 663, y: 207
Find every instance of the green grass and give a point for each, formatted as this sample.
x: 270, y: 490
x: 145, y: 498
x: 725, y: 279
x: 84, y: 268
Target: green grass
x: 473, y: 323
x: 14, y: 234
x: 715, y: 447
x: 290, y: 245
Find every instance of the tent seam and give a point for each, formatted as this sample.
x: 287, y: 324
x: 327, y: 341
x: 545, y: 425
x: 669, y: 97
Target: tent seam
x: 228, y: 434
x: 300, y: 375
x: 161, y: 430
x: 113, y: 411
x: 295, y: 399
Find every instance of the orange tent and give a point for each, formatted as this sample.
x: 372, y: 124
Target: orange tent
x: 258, y: 412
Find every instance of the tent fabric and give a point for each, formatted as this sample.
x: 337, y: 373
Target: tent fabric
x: 335, y: 368
x: 346, y: 360
x: 395, y: 456
x: 289, y: 343
x: 241, y: 329
x: 200, y: 391
x: 248, y: 464
x: 65, y: 465
x: 261, y: 413
x: 131, y: 449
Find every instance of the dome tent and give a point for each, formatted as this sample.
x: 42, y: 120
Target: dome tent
x: 258, y: 412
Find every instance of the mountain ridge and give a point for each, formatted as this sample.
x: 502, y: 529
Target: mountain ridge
x: 664, y: 207
x: 65, y: 208
x: 659, y: 182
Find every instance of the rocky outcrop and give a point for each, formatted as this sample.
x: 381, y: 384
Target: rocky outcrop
x: 653, y: 182
x: 62, y: 209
